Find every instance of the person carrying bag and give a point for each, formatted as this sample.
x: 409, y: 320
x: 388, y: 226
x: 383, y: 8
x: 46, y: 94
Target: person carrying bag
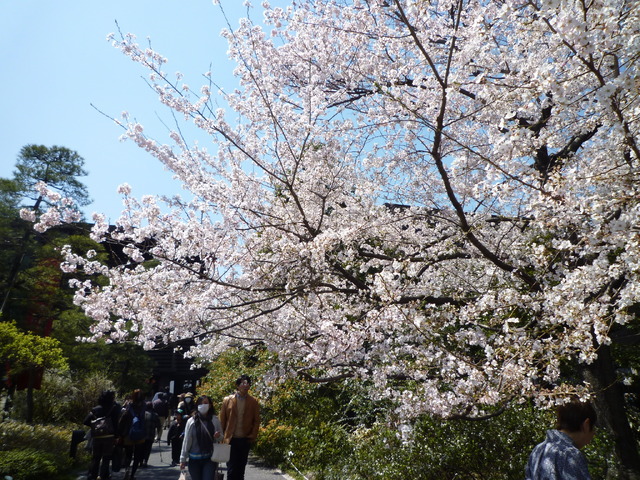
x: 201, y: 432
x: 102, y: 420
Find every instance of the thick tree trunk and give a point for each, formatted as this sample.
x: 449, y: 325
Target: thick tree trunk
x: 610, y: 407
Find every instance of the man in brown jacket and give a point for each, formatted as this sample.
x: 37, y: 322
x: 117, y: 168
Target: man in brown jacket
x: 240, y: 418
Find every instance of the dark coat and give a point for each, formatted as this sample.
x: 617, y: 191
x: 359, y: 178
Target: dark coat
x: 102, y: 411
x: 176, y: 430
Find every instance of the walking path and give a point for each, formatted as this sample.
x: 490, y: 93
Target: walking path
x: 160, y: 468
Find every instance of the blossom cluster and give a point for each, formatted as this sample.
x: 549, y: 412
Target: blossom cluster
x: 62, y: 209
x: 440, y: 199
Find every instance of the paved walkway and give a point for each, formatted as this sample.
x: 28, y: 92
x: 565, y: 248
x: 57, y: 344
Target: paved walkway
x: 160, y: 468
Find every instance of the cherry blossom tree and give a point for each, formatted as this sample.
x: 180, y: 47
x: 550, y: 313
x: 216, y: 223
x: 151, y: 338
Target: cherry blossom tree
x: 438, y: 198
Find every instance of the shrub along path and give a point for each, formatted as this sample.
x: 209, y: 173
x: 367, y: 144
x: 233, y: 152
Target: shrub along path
x: 160, y: 468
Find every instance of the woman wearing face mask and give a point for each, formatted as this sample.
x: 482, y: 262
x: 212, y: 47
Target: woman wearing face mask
x: 202, y: 430
x: 187, y: 404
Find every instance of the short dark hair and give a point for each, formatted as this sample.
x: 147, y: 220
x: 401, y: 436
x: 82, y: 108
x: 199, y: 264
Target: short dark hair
x: 106, y: 398
x: 243, y: 378
x: 571, y: 415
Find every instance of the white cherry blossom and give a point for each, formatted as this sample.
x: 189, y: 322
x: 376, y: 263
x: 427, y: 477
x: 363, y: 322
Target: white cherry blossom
x: 439, y: 198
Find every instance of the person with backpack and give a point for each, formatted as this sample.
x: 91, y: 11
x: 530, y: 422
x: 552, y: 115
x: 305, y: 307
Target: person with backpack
x: 102, y: 419
x: 202, y: 430
x: 132, y: 433
x: 161, y: 408
x: 169, y: 401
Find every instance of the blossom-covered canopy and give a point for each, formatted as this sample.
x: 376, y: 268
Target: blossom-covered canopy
x: 438, y: 197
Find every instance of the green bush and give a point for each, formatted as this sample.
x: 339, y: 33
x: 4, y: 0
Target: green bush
x: 336, y: 432
x: 63, y: 398
x: 274, y: 443
x: 316, y: 448
x: 495, y: 449
x: 28, y: 464
x: 431, y: 449
x: 37, y: 451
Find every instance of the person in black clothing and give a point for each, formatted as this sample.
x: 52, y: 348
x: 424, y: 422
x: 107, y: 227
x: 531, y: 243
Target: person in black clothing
x: 170, y: 403
x: 151, y: 425
x: 175, y: 436
x: 169, y: 398
x: 161, y: 407
x: 103, y: 420
x: 133, y: 448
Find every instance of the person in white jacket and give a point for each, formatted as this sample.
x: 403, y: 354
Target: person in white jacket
x: 202, y: 430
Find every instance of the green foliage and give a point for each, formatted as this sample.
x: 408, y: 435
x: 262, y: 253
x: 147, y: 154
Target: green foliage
x: 334, y: 431
x: 315, y: 446
x: 493, y: 449
x: 496, y: 448
x: 9, y: 197
x: 500, y: 445
x: 36, y: 451
x: 600, y: 456
x: 9, y: 220
x: 223, y: 373
x: 378, y: 452
x: 56, y: 166
x: 24, y: 350
x: 125, y: 364
x: 28, y: 464
x: 64, y: 397
x: 275, y: 442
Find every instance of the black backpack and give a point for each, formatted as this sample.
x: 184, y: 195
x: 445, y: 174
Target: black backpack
x: 102, y: 426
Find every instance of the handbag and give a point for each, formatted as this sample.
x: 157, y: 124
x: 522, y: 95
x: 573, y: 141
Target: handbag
x: 221, y: 452
x: 184, y: 475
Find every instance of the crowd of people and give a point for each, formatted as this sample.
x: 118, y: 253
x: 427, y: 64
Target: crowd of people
x: 122, y: 436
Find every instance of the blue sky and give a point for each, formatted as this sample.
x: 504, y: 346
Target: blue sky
x: 56, y: 62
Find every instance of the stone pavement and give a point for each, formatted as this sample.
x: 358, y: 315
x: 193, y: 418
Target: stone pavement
x: 160, y: 468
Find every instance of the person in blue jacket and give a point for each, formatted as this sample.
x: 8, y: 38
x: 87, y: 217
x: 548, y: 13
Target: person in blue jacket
x: 559, y: 456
